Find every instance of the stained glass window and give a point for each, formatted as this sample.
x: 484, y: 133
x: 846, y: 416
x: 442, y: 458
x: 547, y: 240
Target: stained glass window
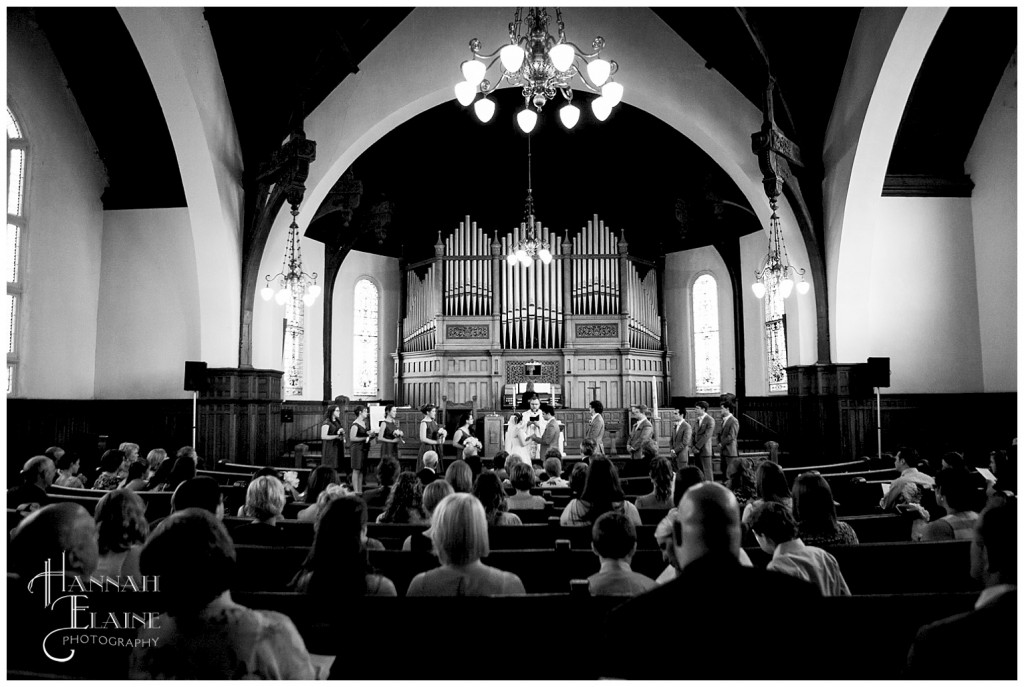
x: 706, y: 352
x: 775, y: 334
x: 367, y: 301
x: 16, y: 156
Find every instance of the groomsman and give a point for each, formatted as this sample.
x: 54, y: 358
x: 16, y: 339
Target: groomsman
x: 682, y: 439
x: 595, y: 428
x: 642, y: 430
x: 702, y: 439
x: 727, y: 438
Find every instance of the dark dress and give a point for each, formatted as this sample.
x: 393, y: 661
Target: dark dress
x: 432, y: 428
x: 459, y: 439
x: 359, y: 447
x: 331, y: 450
x: 387, y: 449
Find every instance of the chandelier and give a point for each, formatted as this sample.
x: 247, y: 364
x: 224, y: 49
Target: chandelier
x: 543, y: 66
x: 775, y: 266
x: 525, y: 252
x: 293, y: 282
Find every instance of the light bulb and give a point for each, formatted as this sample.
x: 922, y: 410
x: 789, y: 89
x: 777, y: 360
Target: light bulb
x: 527, y: 119
x: 786, y: 286
x: 512, y: 58
x: 314, y: 291
x: 570, y: 114
x: 281, y: 297
x: 545, y: 255
x: 759, y: 289
x: 522, y: 256
x: 562, y: 56
x: 465, y: 92
x: 803, y: 287
x: 484, y: 109
x: 474, y: 71
x: 598, y: 70
x: 309, y: 299
x: 267, y: 292
x: 601, y: 107
x: 512, y: 259
x: 612, y: 91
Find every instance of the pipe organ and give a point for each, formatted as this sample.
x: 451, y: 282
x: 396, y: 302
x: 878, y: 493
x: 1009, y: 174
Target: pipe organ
x: 591, y: 318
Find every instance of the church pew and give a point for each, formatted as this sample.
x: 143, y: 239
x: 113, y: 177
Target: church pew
x: 87, y: 502
x: 851, y: 466
x: 266, y: 568
x: 530, y: 516
x: 879, y: 527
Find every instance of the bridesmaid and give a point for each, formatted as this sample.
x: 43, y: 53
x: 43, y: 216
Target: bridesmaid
x: 331, y: 432
x: 388, y: 433
x: 431, y: 435
x: 359, y: 439
x: 464, y: 432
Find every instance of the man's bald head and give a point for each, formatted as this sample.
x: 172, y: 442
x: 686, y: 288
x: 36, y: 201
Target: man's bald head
x: 48, y: 532
x: 708, y: 522
x: 39, y: 470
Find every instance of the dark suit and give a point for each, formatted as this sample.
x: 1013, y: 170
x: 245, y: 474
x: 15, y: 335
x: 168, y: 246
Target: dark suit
x: 727, y: 439
x: 648, y: 632
x: 978, y: 645
x: 702, y: 443
x: 642, y: 431
x: 681, y: 441
x: 595, y: 431
x: 426, y: 476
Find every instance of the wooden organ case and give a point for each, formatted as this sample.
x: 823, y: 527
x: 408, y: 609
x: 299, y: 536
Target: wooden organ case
x: 587, y: 325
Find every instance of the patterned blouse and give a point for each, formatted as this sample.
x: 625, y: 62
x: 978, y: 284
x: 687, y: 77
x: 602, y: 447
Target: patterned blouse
x: 844, y: 534
x: 106, y: 481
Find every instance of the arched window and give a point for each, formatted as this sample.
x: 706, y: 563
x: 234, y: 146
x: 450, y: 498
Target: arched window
x: 707, y: 358
x: 366, y: 324
x: 775, y: 333
x: 16, y: 153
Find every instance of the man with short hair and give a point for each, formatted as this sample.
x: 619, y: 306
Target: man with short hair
x: 428, y: 473
x: 980, y: 644
x: 191, y: 453
x: 642, y: 431
x: 682, y: 438
x: 594, y: 429
x: 702, y: 439
x: 908, y: 487
x: 728, y: 436
x: 50, y: 531
x: 548, y: 437
x: 706, y: 538
x: 775, y: 530
x: 613, y: 539
x: 36, y: 477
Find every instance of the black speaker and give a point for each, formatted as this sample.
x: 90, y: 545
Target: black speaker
x: 287, y: 415
x: 878, y: 372
x: 195, y: 375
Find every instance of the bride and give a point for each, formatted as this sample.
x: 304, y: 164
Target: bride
x: 514, y: 443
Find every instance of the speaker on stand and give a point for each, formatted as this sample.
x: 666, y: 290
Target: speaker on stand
x: 878, y: 376
x: 195, y: 381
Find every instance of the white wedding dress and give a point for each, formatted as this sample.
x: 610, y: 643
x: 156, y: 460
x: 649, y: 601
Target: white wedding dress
x: 514, y: 444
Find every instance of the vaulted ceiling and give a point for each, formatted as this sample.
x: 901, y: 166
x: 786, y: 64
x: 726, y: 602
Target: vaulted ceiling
x: 636, y: 172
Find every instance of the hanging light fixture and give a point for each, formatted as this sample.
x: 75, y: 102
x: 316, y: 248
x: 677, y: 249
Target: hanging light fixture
x: 543, y: 66
x: 775, y: 266
x: 293, y: 282
x: 532, y: 247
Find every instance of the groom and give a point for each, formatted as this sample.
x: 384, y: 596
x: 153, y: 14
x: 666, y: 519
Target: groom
x: 549, y: 435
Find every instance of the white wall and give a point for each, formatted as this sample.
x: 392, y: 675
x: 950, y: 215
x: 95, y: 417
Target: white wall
x: 61, y: 270
x: 681, y: 270
x: 921, y: 301
x: 992, y: 165
x: 148, y: 321
x: 385, y: 273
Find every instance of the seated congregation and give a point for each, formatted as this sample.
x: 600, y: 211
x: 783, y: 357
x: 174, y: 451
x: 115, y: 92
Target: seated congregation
x: 181, y: 572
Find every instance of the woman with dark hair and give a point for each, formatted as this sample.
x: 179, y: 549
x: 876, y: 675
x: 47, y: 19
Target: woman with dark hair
x: 182, y: 469
x: 331, y: 432
x: 685, y: 478
x: 770, y: 485
x: 160, y: 477
x: 1005, y: 471
x: 431, y: 436
x: 67, y: 471
x: 491, y: 493
x: 205, y: 635
x: 661, y: 477
x: 602, y: 493
x: 135, y: 479
x: 953, y: 491
x: 815, y: 513
x: 740, y: 481
x: 404, y: 502
x: 110, y: 463
x: 433, y: 494
x: 388, y: 433
x: 359, y: 436
x: 460, y: 476
x: 319, y: 480
x: 121, y: 530
x: 498, y: 465
x: 523, y: 479
x: 337, y: 566
x: 463, y: 432
x: 578, y: 478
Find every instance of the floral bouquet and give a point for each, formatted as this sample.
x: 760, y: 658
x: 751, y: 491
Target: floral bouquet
x: 441, y: 434
x: 398, y: 434
x: 291, y: 478
x: 473, y: 441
